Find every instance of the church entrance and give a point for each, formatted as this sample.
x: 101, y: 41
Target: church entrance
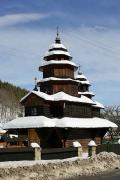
x: 54, y: 140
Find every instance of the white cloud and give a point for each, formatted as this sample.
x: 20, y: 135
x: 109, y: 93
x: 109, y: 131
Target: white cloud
x: 12, y: 19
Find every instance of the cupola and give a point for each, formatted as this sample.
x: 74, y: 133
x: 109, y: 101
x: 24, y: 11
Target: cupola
x: 57, y: 51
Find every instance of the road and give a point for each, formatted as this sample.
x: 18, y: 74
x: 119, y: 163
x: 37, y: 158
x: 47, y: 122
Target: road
x: 114, y: 175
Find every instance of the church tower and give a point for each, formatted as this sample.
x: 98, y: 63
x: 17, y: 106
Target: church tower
x: 58, y: 70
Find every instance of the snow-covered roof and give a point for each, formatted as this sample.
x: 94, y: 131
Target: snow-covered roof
x: 80, y: 76
x: 66, y: 122
x: 84, y: 82
x: 86, y: 93
x: 58, y: 62
x: 39, y: 94
x: 56, y: 79
x: 98, y: 105
x: 49, y: 53
x: 56, y: 45
x: 60, y: 96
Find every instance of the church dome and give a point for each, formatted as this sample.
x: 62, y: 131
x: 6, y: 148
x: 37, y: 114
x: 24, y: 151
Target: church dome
x: 56, y: 50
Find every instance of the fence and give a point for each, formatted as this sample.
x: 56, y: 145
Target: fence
x: 108, y: 148
x: 59, y: 153
x: 16, y: 154
x: 23, y: 153
x: 29, y: 153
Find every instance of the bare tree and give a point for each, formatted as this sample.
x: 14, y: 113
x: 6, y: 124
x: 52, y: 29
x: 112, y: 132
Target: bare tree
x: 113, y: 114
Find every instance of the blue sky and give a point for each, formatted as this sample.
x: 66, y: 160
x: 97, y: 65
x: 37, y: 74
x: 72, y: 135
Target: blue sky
x: 90, y: 29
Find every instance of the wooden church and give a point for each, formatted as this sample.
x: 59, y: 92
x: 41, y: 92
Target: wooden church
x: 60, y: 109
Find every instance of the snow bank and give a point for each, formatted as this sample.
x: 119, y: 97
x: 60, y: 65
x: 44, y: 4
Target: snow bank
x: 59, y: 169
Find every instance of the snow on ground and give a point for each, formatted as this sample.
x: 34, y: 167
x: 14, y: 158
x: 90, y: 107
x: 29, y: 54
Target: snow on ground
x: 16, y: 164
x: 59, y: 169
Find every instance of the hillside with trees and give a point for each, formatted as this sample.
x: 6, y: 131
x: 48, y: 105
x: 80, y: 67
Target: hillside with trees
x: 10, y: 96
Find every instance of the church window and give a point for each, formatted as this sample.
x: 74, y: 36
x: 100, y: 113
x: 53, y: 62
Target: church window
x: 33, y: 111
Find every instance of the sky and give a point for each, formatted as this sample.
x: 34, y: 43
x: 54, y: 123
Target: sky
x: 90, y: 29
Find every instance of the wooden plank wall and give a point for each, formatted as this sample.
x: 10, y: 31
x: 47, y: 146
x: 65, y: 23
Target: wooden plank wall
x: 77, y: 110
x: 66, y: 87
x: 33, y: 136
x: 58, y: 71
x: 83, y: 136
x: 67, y: 72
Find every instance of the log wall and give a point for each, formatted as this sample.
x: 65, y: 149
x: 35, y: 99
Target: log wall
x: 53, y: 87
x: 77, y: 110
x: 66, y: 87
x: 96, y: 112
x: 60, y: 137
x: 33, y: 136
x: 36, y: 106
x: 60, y: 71
x: 84, y: 136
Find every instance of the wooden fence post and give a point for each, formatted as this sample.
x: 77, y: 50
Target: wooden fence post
x: 37, y: 151
x: 79, y: 148
x: 80, y: 151
x: 91, y: 148
x: 37, y: 155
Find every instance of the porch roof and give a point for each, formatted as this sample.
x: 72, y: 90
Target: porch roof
x: 66, y: 122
